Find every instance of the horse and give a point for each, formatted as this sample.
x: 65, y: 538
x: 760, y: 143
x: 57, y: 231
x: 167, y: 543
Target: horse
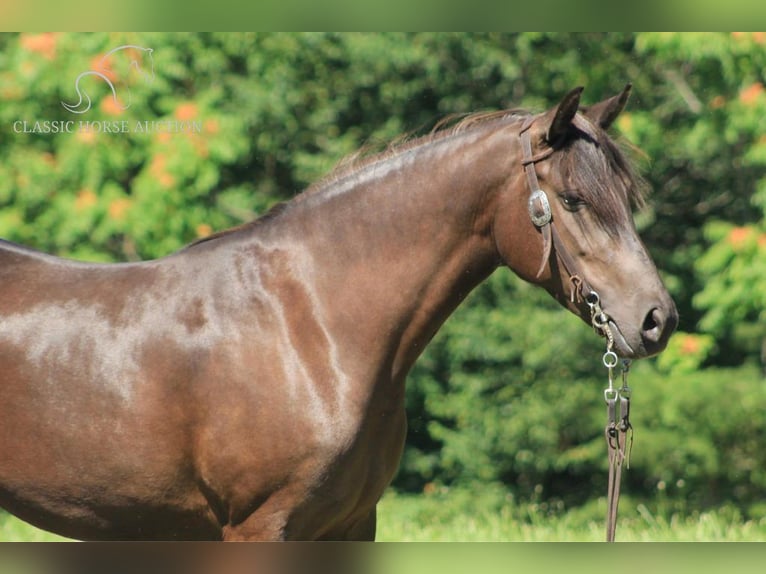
x: 250, y: 386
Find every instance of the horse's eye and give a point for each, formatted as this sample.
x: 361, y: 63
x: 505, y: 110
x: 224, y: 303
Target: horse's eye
x: 571, y: 200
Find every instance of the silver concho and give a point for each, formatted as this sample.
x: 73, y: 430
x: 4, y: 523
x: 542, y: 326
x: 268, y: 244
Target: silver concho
x: 539, y: 208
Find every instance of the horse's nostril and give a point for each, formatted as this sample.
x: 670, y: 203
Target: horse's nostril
x: 653, y: 324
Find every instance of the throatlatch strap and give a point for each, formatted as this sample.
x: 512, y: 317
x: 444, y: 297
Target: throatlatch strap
x: 579, y: 284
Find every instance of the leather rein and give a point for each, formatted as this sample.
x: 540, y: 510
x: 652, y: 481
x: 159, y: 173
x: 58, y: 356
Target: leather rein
x: 618, y: 431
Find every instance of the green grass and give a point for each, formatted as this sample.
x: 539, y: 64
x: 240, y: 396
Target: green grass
x: 462, y: 515
x: 489, y: 515
x: 14, y: 530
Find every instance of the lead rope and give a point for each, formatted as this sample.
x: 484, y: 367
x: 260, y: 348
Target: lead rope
x: 618, y: 432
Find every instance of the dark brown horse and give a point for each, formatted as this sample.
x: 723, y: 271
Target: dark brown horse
x: 251, y: 386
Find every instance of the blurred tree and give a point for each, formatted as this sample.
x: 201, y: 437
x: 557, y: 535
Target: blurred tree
x: 703, y: 128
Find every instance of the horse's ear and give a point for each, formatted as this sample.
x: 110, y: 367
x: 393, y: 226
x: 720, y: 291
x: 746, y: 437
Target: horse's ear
x: 561, y: 117
x: 604, y: 113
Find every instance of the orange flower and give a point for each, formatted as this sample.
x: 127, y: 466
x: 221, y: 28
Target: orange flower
x: 43, y: 44
x: 166, y: 180
x: 86, y: 136
x: 738, y: 236
x: 203, y: 230
x: 757, y: 37
x: 690, y: 345
x: 186, y: 111
x: 158, y: 164
x: 112, y: 106
x: 103, y: 65
x: 85, y: 199
x: 158, y: 171
x: 212, y: 126
x: 750, y: 95
x: 118, y: 208
x: 134, y: 55
x: 199, y: 144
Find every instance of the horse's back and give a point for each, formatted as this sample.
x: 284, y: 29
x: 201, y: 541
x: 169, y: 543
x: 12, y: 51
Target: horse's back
x: 13, y: 255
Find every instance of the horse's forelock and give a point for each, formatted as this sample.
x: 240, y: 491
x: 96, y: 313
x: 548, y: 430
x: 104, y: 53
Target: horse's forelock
x: 597, y: 167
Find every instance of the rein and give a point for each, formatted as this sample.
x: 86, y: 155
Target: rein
x: 618, y: 431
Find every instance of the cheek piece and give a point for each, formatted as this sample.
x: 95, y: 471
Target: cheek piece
x: 542, y: 218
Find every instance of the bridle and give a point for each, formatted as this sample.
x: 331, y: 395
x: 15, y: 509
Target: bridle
x: 540, y: 213
x: 618, y: 431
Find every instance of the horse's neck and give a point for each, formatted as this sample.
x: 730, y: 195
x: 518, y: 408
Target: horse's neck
x: 393, y: 255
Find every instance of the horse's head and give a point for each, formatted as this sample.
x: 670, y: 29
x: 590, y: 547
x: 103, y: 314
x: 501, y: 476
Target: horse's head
x: 567, y: 225
x: 142, y: 60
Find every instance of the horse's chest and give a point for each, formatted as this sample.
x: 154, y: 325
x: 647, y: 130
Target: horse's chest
x: 366, y: 468
x: 313, y: 462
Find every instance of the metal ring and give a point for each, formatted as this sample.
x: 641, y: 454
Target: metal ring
x: 600, y: 319
x: 610, y: 394
x: 592, y: 299
x: 610, y: 359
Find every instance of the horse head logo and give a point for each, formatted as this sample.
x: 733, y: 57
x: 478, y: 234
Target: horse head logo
x: 132, y: 58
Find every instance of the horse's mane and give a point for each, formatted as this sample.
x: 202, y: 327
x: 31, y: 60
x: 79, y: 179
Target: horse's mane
x: 600, y: 192
x: 371, y: 153
x: 608, y: 172
x: 445, y: 128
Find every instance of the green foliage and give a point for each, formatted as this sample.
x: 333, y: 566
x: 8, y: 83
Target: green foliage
x: 497, y: 389
x: 697, y: 436
x: 509, y: 392
x: 734, y: 296
x: 685, y: 353
x: 110, y: 196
